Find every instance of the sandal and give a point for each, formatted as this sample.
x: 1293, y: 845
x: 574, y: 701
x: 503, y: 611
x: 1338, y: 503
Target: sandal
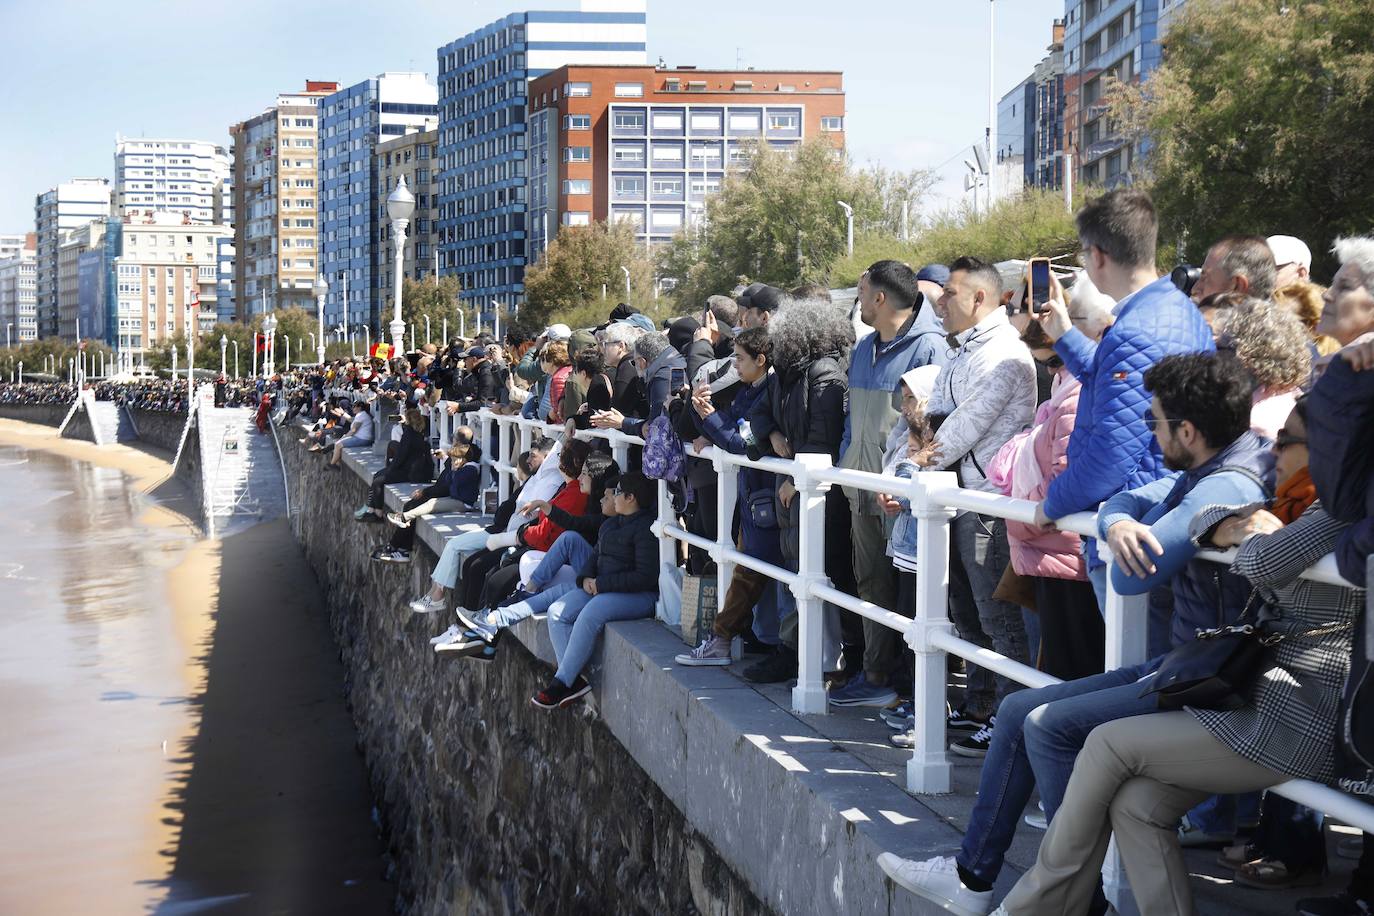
x: 1238, y: 855
x: 1273, y: 875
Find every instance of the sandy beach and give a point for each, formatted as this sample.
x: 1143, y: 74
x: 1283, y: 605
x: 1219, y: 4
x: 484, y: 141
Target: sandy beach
x: 227, y: 781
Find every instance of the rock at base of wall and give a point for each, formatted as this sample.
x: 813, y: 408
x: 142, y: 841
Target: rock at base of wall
x: 489, y: 805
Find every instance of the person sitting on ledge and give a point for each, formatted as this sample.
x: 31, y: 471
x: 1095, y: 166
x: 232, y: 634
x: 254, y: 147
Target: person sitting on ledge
x: 359, y: 434
x: 477, y: 632
x: 618, y: 582
x: 411, y: 462
x: 457, y: 490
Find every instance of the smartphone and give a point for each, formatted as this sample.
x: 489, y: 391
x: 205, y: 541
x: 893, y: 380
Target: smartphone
x: 1039, y: 284
x: 677, y: 380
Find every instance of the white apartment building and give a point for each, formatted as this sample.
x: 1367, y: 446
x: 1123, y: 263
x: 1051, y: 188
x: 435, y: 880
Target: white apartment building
x: 19, y: 293
x: 12, y: 244
x: 169, y: 175
x: 68, y: 206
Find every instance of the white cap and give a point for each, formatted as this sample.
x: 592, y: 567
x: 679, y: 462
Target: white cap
x: 558, y: 332
x: 1290, y: 250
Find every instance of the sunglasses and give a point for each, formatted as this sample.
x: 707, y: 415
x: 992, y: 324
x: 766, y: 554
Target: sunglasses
x: 1285, y: 439
x: 1152, y: 422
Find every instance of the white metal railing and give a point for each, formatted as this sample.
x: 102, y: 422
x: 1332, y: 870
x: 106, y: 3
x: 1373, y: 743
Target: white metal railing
x: 935, y: 497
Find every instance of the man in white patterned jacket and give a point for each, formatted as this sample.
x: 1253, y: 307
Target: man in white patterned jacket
x: 985, y: 394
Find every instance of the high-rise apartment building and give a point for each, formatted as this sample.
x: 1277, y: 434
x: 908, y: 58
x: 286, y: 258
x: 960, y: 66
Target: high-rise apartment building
x: 11, y: 245
x: 649, y: 145
x: 483, y: 83
x: 69, y: 205
x: 353, y: 122
x: 1030, y: 124
x: 73, y: 247
x: 1106, y: 40
x: 166, y: 175
x: 19, y: 290
x: 276, y: 221
x: 413, y: 157
x: 226, y: 303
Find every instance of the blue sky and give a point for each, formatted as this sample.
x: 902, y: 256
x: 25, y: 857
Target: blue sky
x: 80, y: 71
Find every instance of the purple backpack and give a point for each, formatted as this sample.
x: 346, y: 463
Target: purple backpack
x: 664, y: 456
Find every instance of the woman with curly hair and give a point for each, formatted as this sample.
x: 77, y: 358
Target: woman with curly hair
x: 1305, y: 300
x: 1275, y: 349
x: 557, y: 365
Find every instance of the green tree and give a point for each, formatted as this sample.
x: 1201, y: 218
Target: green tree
x: 778, y: 221
x: 439, y: 302
x: 580, y: 262
x: 1259, y: 121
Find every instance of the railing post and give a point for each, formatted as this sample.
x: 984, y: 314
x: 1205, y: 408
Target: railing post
x: 488, y: 459
x: 727, y: 484
x: 809, y: 695
x: 928, y: 772
x: 1127, y: 624
x: 667, y: 546
x: 504, y: 437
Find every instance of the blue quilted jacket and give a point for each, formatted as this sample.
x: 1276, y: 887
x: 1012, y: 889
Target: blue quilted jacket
x: 1111, y: 450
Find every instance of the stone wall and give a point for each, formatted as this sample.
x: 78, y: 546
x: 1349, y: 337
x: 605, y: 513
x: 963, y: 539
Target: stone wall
x: 79, y: 427
x: 188, y: 468
x: 487, y: 804
x: 160, y: 428
x: 46, y: 414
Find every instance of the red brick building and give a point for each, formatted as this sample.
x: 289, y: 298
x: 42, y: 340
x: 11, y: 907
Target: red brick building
x: 649, y: 144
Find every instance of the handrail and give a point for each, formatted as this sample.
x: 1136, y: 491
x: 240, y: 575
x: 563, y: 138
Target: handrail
x: 935, y: 498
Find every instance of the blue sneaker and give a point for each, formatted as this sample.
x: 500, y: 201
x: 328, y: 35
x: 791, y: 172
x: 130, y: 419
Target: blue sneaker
x: 859, y: 692
x: 899, y: 717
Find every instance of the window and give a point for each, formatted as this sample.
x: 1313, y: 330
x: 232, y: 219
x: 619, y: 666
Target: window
x: 666, y: 220
x: 629, y: 121
x: 577, y: 154
x: 577, y: 90
x: 783, y: 120
x: 578, y: 122
x: 706, y: 122
x: 667, y: 187
x: 628, y: 154
x: 667, y: 153
x: 629, y: 186
x: 577, y: 186
x: 633, y: 216
x: 832, y: 124
x: 577, y: 218
x: 744, y: 122
x: 667, y: 122
x: 629, y: 90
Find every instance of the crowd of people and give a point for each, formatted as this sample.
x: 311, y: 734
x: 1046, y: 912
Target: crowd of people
x: 37, y: 393
x: 1215, y: 416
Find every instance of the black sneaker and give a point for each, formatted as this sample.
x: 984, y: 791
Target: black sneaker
x: 391, y: 555
x: 976, y: 744
x: 557, y: 694
x: 775, y: 668
x: 960, y: 720
x: 754, y: 646
x: 1344, y: 904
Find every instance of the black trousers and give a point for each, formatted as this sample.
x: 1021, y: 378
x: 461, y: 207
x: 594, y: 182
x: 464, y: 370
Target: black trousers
x: 473, y: 578
x: 1072, y: 633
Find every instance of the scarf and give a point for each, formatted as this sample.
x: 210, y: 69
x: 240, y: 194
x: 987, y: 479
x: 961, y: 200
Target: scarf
x: 1293, y: 496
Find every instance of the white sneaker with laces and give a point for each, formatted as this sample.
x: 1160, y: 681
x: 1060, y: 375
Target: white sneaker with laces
x: 427, y: 605
x: 714, y: 650
x: 452, y: 633
x: 906, y: 739
x: 936, y: 880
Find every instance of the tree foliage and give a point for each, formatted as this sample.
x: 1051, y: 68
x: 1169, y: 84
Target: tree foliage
x: 439, y: 302
x: 579, y: 262
x: 1259, y: 121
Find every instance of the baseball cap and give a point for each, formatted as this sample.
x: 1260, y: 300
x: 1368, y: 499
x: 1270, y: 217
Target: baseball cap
x: 641, y: 321
x: 934, y: 273
x: 558, y: 332
x: 1290, y: 250
x: 744, y: 296
x: 765, y: 299
x: 476, y: 353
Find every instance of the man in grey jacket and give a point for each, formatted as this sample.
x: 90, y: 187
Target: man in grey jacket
x: 986, y: 395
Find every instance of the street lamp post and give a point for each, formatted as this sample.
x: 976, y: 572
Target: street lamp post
x: 849, y: 234
x: 399, y: 206
x: 269, y: 328
x: 367, y: 339
x: 626, y: 271
x: 321, y: 290
x: 428, y: 339
x: 9, y: 326
x: 21, y: 373
x: 236, y: 359
x: 287, y: 367
x: 223, y: 352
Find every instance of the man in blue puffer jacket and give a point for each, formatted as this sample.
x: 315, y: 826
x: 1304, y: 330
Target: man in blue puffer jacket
x: 1111, y: 449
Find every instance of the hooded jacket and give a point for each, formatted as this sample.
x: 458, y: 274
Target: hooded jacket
x: 658, y: 383
x: 1205, y: 594
x: 986, y: 394
x: 875, y: 369
x: 806, y: 404
x: 723, y: 429
x: 626, y: 558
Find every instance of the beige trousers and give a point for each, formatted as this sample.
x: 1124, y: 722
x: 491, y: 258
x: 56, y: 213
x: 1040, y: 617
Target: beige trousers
x: 1134, y: 778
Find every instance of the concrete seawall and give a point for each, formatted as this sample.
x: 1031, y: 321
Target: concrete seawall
x: 46, y: 414
x: 158, y: 427
x: 489, y: 805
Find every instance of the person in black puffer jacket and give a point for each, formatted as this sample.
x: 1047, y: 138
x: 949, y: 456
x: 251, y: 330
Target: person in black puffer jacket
x: 411, y: 462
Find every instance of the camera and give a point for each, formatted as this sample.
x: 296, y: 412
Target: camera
x: 1185, y: 277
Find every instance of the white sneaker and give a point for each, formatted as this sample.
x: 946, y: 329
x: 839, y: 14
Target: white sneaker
x: 936, y: 880
x: 714, y: 650
x: 906, y: 739
x: 462, y: 645
x: 448, y: 635
x: 427, y: 605
x: 1002, y: 911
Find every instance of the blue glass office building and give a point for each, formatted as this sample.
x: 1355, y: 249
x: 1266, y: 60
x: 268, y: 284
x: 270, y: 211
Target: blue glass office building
x: 483, y: 82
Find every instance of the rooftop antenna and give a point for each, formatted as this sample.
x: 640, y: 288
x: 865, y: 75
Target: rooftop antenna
x: 739, y: 57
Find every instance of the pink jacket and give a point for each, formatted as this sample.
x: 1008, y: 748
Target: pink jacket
x: 1024, y: 468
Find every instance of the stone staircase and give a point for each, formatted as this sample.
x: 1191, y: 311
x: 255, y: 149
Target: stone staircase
x: 241, y: 470
x: 110, y: 422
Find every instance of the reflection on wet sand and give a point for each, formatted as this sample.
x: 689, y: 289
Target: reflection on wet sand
x: 153, y: 743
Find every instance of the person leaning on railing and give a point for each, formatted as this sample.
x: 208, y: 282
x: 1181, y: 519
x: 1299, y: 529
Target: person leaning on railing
x: 1200, y: 412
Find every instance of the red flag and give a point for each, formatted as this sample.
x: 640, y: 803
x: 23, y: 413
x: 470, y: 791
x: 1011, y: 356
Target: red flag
x: 261, y: 341
x: 381, y: 351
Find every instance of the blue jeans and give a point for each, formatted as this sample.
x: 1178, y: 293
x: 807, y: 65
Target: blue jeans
x: 354, y: 442
x: 577, y: 619
x: 502, y: 617
x: 455, y: 550
x: 1221, y: 813
x: 570, y: 549
x: 1038, y: 736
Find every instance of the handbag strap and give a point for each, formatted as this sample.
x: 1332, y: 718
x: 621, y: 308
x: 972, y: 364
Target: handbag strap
x: 1261, y: 627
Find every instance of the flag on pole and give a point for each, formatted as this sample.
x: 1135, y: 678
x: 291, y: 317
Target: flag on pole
x: 381, y: 351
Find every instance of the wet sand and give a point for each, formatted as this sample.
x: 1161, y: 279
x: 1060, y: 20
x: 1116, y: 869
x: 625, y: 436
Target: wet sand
x: 172, y: 736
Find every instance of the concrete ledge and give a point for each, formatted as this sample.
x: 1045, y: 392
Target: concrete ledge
x: 798, y: 816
